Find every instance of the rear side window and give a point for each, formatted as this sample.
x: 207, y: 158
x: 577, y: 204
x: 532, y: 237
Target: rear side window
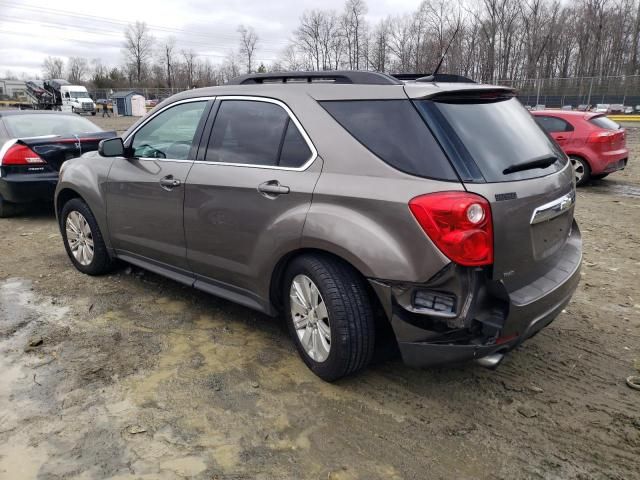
x: 256, y: 133
x: 604, y: 122
x: 295, y: 150
x: 495, y: 138
x: 553, y: 124
x: 394, y: 131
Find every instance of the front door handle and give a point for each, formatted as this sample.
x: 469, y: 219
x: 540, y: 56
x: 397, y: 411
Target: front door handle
x: 169, y: 183
x: 272, y: 189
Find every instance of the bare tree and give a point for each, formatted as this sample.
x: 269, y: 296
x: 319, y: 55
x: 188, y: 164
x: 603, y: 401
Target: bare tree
x: 52, y: 67
x: 190, y: 60
x: 168, y: 59
x: 138, y: 48
x: 77, y: 69
x: 248, y: 42
x: 353, y: 25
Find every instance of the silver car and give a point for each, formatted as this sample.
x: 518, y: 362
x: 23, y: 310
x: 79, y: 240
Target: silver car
x: 436, y: 215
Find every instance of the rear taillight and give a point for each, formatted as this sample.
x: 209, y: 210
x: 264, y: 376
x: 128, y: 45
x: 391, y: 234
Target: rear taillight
x: 21, y: 155
x: 460, y: 225
x: 606, y: 137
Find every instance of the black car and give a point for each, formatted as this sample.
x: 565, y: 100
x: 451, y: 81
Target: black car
x: 33, y: 146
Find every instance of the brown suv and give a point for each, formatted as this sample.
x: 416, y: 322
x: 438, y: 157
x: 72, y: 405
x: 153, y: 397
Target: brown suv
x: 332, y: 196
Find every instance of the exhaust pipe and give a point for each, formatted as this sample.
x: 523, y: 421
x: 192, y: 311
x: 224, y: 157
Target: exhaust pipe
x: 490, y: 361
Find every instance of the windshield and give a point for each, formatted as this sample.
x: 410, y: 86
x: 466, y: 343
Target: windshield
x: 493, y: 140
x: 36, y: 125
x: 78, y: 94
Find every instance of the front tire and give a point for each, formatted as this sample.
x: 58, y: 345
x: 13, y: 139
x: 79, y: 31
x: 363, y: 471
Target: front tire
x: 82, y: 238
x: 329, y: 315
x: 581, y: 170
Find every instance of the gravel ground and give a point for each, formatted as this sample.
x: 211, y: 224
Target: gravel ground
x: 133, y: 376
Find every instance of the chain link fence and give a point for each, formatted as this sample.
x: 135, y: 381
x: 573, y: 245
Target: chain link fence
x: 551, y: 92
x: 148, y: 93
x: 559, y: 92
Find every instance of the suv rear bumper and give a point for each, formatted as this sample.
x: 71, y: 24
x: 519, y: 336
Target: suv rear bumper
x: 423, y: 354
x: 526, y: 312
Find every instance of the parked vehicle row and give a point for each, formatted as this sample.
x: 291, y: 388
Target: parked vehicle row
x: 614, y: 108
x: 346, y: 201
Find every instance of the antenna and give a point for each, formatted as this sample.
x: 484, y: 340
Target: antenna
x: 432, y: 77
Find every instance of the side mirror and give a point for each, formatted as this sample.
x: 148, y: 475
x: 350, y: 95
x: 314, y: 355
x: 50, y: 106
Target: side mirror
x: 111, y: 147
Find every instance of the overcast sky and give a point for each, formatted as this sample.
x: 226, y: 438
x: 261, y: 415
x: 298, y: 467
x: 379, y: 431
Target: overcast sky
x: 34, y: 29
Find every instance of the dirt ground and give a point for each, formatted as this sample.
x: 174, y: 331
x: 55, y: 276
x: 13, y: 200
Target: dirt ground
x: 133, y: 376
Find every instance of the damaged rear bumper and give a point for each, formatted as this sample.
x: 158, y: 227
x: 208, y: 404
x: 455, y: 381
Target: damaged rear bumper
x: 495, y: 322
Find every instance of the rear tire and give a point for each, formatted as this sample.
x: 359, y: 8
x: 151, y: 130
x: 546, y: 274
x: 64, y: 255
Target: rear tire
x: 343, y: 315
x: 86, y: 249
x: 581, y: 170
x: 7, y: 209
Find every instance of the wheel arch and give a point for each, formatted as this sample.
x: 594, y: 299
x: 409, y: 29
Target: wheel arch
x: 277, y: 274
x: 63, y: 197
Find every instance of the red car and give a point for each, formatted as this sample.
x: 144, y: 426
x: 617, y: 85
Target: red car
x: 595, y: 144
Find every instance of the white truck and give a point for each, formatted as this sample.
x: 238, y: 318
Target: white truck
x: 59, y: 94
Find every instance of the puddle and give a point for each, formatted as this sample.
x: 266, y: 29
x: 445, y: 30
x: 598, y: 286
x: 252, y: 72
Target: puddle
x: 617, y: 189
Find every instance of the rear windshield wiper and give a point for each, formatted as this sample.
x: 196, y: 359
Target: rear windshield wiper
x: 538, y: 162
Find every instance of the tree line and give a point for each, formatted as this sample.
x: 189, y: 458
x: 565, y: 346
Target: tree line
x: 496, y: 40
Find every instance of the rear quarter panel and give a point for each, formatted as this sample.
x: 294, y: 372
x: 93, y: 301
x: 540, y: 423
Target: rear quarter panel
x: 360, y: 208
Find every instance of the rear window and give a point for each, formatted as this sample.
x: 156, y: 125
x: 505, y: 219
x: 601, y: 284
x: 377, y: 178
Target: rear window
x: 604, y: 122
x: 36, y: 125
x: 492, y: 140
x: 394, y: 131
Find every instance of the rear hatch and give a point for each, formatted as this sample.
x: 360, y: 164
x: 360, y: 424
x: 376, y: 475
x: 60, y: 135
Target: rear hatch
x: 500, y: 152
x: 607, y: 134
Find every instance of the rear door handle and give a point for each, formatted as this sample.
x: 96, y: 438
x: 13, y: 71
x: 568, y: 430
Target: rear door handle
x: 272, y: 188
x: 168, y: 182
x: 561, y: 138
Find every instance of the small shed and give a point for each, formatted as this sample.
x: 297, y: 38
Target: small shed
x: 127, y: 103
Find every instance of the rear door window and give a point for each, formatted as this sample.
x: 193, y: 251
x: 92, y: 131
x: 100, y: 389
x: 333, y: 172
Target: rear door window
x: 604, y: 122
x: 553, y: 124
x: 394, y: 131
x: 493, y: 138
x: 252, y: 132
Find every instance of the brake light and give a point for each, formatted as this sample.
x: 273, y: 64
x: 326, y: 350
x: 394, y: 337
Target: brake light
x: 604, y: 137
x: 21, y: 155
x: 459, y: 223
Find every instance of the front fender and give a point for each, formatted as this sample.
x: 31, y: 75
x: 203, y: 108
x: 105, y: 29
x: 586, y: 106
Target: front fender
x: 86, y: 177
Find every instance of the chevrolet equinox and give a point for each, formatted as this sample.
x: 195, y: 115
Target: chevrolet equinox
x: 351, y: 202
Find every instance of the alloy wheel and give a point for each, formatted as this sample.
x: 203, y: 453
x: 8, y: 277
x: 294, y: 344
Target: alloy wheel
x: 79, y: 238
x: 578, y: 169
x: 310, y: 318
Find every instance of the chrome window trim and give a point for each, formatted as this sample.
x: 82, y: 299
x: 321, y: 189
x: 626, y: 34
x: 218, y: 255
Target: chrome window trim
x: 285, y: 107
x: 307, y: 139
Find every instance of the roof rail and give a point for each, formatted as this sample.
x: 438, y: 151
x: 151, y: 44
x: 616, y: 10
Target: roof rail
x: 426, y: 77
x: 329, y: 76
